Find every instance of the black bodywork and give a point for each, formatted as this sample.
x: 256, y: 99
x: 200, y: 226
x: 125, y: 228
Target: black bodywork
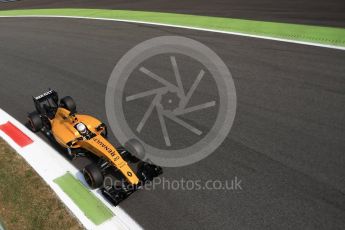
x: 47, y: 103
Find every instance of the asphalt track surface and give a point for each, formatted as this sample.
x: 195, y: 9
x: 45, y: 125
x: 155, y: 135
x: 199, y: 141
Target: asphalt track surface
x: 315, y: 12
x: 286, y: 145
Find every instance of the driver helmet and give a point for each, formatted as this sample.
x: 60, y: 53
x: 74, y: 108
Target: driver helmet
x: 81, y: 128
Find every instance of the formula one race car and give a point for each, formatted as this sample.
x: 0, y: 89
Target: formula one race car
x: 84, y: 135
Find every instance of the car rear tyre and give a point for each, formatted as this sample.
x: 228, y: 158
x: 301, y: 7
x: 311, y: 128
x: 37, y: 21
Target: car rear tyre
x: 69, y: 104
x: 35, y: 122
x: 93, y: 176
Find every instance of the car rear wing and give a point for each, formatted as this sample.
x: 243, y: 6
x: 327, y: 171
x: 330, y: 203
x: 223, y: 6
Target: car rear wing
x: 48, y: 100
x: 48, y: 94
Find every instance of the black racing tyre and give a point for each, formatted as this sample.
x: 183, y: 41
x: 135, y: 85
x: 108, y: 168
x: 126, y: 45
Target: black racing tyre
x: 93, y: 176
x: 35, y: 122
x: 69, y: 104
x: 135, y: 148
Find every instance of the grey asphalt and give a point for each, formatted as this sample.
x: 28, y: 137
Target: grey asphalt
x: 286, y: 145
x: 315, y: 12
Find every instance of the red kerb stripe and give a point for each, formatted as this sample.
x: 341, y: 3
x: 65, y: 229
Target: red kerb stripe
x: 16, y: 134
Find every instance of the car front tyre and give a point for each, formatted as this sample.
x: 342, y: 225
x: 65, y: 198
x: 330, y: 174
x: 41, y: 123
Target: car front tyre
x: 93, y: 176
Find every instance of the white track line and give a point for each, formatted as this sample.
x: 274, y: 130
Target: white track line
x: 184, y: 27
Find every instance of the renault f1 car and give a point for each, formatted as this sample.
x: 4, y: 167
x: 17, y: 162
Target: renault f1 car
x: 84, y: 135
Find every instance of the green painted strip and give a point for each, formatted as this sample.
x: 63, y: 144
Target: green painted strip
x: 92, y: 207
x: 305, y: 33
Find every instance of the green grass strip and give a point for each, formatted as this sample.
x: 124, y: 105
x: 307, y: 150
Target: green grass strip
x: 296, y: 32
x: 92, y: 207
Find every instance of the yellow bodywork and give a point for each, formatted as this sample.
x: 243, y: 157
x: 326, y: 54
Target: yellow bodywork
x: 64, y: 132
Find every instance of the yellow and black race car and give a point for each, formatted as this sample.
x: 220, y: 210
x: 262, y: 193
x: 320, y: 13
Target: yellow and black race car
x: 84, y: 135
